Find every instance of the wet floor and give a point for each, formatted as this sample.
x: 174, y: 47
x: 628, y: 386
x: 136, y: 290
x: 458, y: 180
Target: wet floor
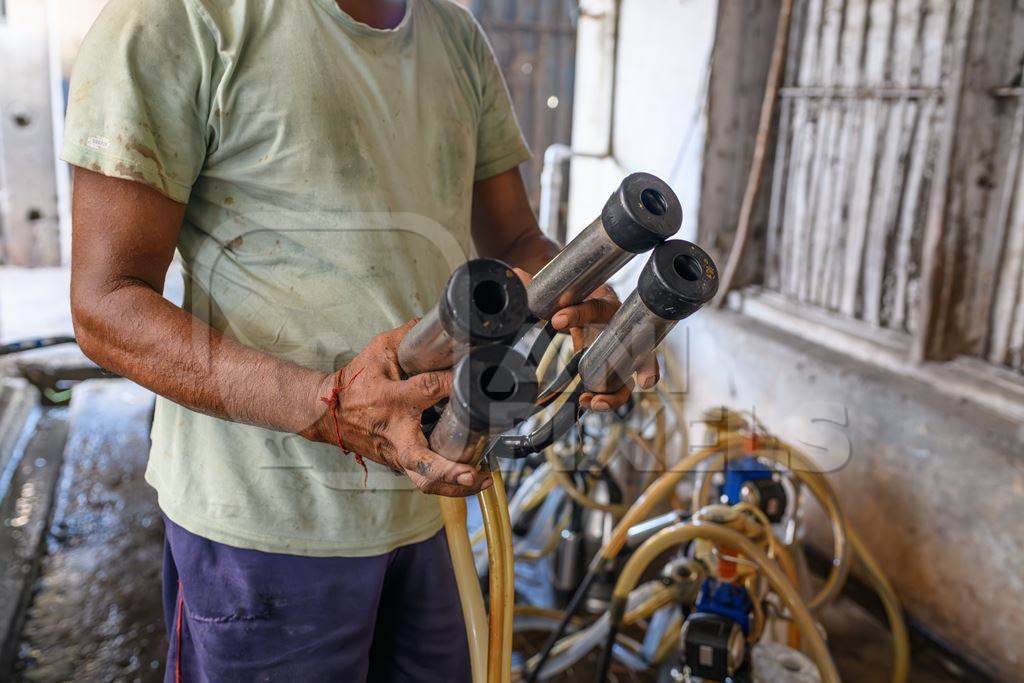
x: 96, y: 610
x: 96, y: 613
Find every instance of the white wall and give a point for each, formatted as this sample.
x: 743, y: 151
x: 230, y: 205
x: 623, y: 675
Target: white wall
x: 664, y: 46
x: 28, y: 207
x: 74, y: 18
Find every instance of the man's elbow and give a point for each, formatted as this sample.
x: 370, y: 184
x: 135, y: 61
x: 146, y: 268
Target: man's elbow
x: 84, y: 333
x: 91, y: 324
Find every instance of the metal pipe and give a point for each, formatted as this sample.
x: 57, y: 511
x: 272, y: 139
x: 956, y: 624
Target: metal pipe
x: 492, y: 390
x: 642, y: 213
x: 552, y: 184
x: 483, y: 302
x: 678, y: 279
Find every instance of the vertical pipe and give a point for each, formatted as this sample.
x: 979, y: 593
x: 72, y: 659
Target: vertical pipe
x: 62, y: 171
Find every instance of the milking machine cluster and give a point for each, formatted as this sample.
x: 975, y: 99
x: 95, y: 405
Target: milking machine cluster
x: 709, y: 586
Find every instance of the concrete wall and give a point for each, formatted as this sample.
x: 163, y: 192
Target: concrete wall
x: 29, y: 225
x: 74, y: 18
x: 657, y: 120
x: 39, y: 40
x: 933, y: 482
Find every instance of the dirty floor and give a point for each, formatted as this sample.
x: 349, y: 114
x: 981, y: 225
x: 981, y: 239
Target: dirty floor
x: 95, y: 613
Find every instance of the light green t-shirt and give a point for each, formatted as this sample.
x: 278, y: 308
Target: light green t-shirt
x: 327, y: 169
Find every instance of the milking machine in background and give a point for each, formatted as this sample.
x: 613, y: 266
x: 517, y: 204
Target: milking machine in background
x: 480, y: 314
x: 726, y: 595
x: 598, y: 496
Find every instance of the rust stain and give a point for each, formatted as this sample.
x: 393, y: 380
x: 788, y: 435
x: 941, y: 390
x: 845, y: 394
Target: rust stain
x: 235, y: 243
x: 228, y: 201
x: 126, y: 170
x: 146, y: 152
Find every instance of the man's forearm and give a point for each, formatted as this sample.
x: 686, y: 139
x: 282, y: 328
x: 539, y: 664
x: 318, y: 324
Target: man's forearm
x: 531, y: 252
x: 132, y: 330
x: 504, y: 225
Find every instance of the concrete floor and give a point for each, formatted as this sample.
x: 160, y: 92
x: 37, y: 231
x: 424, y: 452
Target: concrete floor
x: 34, y: 302
x: 96, y: 614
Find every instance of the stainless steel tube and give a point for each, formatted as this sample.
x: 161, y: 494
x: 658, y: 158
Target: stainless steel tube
x: 642, y: 213
x: 576, y: 271
x: 483, y: 302
x: 678, y: 279
x: 493, y: 389
x: 429, y: 346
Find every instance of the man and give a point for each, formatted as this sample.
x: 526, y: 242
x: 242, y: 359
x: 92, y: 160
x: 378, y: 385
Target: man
x: 321, y: 167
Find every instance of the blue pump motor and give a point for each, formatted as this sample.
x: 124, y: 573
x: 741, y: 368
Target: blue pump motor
x: 740, y: 471
x: 727, y: 600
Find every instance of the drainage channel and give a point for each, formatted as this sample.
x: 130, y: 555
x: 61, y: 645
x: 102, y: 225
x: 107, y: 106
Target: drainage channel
x: 89, y: 544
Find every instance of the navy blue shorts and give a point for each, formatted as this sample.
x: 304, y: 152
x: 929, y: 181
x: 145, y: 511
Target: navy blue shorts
x: 245, y: 615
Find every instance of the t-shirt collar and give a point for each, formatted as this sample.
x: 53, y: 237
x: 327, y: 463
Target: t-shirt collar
x: 362, y: 29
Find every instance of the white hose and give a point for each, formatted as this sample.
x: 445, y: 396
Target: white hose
x: 594, y: 636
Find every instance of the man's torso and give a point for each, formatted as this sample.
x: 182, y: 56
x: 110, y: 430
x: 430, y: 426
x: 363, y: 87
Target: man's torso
x: 332, y: 202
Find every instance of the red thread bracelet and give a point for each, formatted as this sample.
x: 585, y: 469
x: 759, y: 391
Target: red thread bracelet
x: 333, y: 403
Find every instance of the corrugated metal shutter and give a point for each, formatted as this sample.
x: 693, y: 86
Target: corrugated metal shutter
x: 535, y: 42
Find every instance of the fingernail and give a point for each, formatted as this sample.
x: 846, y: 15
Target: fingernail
x: 649, y: 382
x: 466, y: 479
x: 560, y: 320
x: 487, y: 483
x: 600, y: 406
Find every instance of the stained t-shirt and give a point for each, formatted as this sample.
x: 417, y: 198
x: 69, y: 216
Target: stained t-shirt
x: 327, y: 168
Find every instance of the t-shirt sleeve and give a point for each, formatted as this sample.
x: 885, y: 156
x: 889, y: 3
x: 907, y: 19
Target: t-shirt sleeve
x: 500, y: 143
x: 138, y: 105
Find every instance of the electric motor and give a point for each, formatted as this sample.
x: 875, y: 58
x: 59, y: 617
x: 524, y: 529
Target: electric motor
x: 768, y: 495
x: 713, y: 646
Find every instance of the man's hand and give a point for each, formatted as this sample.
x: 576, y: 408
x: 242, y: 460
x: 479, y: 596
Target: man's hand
x: 505, y: 227
x: 584, y: 321
x: 379, y: 416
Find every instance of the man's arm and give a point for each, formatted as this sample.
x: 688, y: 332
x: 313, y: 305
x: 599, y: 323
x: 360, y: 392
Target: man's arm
x: 505, y: 227
x: 123, y: 242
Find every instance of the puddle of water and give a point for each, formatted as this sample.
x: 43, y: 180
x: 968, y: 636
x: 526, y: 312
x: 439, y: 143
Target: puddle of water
x: 96, y: 613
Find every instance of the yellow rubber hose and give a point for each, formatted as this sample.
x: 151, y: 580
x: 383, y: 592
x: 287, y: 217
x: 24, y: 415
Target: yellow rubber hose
x: 801, y: 467
x: 453, y: 511
x: 490, y: 511
x: 669, y: 641
x: 891, y: 603
x: 682, y: 533
x: 657, y: 492
x: 508, y: 579
x: 501, y: 580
